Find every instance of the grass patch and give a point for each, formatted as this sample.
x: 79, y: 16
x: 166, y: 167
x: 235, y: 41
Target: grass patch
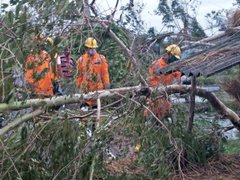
x: 232, y: 147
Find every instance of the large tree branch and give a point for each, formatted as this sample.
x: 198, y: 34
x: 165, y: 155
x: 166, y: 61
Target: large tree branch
x: 127, y: 51
x: 66, y: 99
x: 171, y: 89
x: 20, y: 120
x: 207, y: 41
x: 213, y: 100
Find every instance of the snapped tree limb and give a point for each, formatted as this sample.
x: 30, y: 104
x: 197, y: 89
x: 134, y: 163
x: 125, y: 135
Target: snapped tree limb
x: 127, y: 51
x: 66, y: 99
x: 171, y: 89
x: 216, y: 103
x: 20, y: 120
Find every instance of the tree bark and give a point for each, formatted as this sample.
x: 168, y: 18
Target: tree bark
x: 66, y: 99
x: 213, y: 100
x: 171, y: 89
x: 127, y: 51
x: 192, y: 104
x: 20, y: 120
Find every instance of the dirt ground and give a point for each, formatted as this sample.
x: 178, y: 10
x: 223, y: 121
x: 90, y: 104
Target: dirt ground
x: 225, y: 168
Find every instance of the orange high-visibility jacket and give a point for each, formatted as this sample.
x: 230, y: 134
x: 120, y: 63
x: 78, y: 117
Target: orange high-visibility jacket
x: 155, y: 78
x: 161, y: 106
x: 39, y: 73
x: 92, y: 72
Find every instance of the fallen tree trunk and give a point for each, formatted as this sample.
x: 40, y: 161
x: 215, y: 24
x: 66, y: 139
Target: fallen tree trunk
x: 78, y: 98
x: 66, y: 99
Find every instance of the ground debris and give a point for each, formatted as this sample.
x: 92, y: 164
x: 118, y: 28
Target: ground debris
x: 126, y: 162
x: 125, y: 166
x: 227, y: 167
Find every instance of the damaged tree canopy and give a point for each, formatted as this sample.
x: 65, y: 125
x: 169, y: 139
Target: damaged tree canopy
x: 218, y: 53
x: 221, y: 55
x: 47, y: 138
x: 171, y: 89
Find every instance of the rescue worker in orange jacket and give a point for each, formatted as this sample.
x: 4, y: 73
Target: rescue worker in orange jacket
x: 161, y: 106
x: 92, y: 70
x: 39, y: 71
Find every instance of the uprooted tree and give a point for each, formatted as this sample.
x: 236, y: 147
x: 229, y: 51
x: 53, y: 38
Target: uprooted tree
x: 41, y: 141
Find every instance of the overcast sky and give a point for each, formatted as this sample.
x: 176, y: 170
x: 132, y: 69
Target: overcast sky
x: 151, y: 20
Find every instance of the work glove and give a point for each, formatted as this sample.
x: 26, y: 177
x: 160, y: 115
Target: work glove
x: 56, y: 88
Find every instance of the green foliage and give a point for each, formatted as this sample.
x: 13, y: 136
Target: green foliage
x: 228, y: 74
x: 196, y: 30
x: 163, y: 155
x: 14, y: 2
x: 118, y: 63
x: 165, y: 11
x: 232, y: 147
x: 178, y: 9
x: 172, y: 10
x: 237, y: 2
x: 217, y: 19
x: 4, y: 6
x: 62, y: 148
x: 131, y: 18
x: 59, y: 147
x: 54, y: 150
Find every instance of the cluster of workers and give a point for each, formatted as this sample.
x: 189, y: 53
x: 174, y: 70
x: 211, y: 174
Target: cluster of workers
x: 91, y: 72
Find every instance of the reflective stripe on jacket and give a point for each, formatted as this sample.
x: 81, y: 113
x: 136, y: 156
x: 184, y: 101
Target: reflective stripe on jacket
x: 155, y: 78
x: 92, y: 72
x: 39, y: 74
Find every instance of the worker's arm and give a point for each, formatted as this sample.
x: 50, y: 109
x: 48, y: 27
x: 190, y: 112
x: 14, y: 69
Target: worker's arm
x: 29, y: 69
x: 177, y: 75
x: 105, y: 73
x: 79, y: 75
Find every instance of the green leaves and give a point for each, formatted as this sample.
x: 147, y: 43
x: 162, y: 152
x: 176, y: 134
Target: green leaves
x: 14, y: 2
x: 24, y: 133
x: 177, y: 14
x: 4, y: 6
x: 165, y: 11
x: 10, y: 18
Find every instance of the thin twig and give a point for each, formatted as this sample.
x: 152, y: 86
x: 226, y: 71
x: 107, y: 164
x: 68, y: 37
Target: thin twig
x: 92, y: 168
x: 13, y: 164
x: 163, y: 125
x: 26, y: 149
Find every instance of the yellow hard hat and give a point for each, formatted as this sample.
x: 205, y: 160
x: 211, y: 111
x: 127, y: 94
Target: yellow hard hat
x: 174, y: 50
x: 91, y: 43
x: 137, y: 148
x: 49, y: 41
